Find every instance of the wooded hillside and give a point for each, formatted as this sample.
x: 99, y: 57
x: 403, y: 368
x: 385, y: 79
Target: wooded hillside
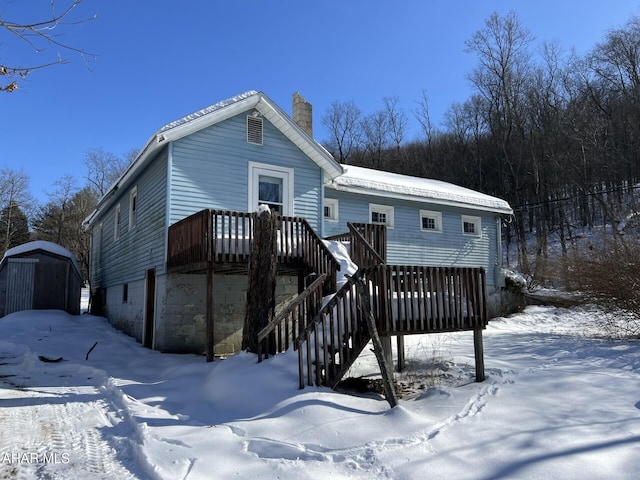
x: 554, y: 133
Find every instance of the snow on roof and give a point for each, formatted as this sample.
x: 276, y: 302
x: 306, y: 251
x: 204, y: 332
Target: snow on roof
x: 42, y: 245
x: 207, y: 110
x: 394, y: 185
x: 210, y: 115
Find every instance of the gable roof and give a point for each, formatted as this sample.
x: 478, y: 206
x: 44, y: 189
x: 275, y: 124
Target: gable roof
x: 393, y: 185
x: 250, y: 100
x: 246, y: 101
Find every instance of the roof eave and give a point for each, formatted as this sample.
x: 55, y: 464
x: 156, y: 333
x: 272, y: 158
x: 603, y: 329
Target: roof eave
x: 299, y: 137
x: 420, y: 199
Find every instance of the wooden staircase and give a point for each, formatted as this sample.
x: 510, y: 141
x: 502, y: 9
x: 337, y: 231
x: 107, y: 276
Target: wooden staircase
x: 333, y: 340
x: 379, y: 299
x: 330, y: 341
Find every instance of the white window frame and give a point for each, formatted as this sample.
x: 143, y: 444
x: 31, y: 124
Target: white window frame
x: 286, y: 174
x: 477, y: 225
x: 437, y: 218
x: 117, y: 222
x: 387, y: 210
x: 332, y: 205
x: 134, y: 208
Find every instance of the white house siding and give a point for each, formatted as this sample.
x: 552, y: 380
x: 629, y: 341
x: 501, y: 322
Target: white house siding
x: 181, y: 304
x: 407, y: 244
x: 210, y: 169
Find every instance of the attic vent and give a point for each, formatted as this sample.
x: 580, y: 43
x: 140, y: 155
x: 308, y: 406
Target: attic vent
x: 254, y: 130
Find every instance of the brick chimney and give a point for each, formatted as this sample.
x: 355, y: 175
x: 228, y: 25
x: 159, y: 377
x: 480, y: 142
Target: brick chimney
x: 302, y: 113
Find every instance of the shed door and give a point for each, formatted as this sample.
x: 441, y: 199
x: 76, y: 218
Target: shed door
x: 20, y: 281
x: 51, y: 285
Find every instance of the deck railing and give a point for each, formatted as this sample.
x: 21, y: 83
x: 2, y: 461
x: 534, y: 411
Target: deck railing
x: 281, y: 332
x: 404, y: 300
x: 222, y: 236
x: 375, y: 236
x: 187, y: 241
x: 367, y: 243
x: 231, y: 235
x: 362, y: 252
x: 419, y: 299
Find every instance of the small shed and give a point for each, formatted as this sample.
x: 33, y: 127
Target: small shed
x: 39, y: 275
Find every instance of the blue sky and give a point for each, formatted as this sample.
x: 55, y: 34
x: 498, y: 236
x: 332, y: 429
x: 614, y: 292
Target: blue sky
x: 157, y: 62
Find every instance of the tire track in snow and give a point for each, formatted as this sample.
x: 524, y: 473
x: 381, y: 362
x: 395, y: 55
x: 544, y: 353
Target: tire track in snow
x: 58, y: 431
x: 60, y: 440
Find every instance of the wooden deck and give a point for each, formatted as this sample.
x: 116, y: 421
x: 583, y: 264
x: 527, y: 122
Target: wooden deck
x: 223, y: 239
x: 404, y: 299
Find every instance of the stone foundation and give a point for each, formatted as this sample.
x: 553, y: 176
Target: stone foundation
x: 181, y: 315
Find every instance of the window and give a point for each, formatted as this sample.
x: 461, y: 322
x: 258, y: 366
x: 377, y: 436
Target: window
x: 430, y: 221
x: 471, y: 226
x: 117, y: 223
x: 331, y: 209
x: 125, y: 293
x: 254, y: 130
x: 133, y: 208
x: 98, y: 249
x: 270, y: 185
x: 381, y: 214
x: 270, y: 192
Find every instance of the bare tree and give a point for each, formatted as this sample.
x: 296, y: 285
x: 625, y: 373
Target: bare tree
x: 40, y: 34
x: 376, y: 130
x: 60, y: 220
x: 423, y: 116
x: 15, y: 200
x: 104, y: 168
x: 501, y: 76
x: 342, y: 120
x: 397, y: 121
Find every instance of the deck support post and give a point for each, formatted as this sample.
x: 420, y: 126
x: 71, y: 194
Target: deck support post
x: 261, y: 291
x: 401, y: 358
x: 209, y: 314
x: 479, y: 354
x: 385, y: 341
x: 381, y: 345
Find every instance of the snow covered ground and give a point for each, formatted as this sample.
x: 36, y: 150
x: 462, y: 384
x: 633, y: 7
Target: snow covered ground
x: 557, y: 403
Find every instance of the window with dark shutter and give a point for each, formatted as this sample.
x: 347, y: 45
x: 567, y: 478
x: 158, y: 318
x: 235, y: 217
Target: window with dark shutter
x: 254, y: 130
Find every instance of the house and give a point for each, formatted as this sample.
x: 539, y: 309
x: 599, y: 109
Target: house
x: 429, y: 222
x: 39, y: 275
x: 169, y: 250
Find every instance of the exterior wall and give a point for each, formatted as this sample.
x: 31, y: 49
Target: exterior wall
x: 3, y: 287
x: 207, y: 169
x: 126, y: 315
x: 210, y: 169
x: 409, y: 245
x: 126, y: 259
x: 181, y: 311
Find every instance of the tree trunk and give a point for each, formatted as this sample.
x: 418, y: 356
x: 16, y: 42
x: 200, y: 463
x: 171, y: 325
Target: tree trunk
x: 262, y: 280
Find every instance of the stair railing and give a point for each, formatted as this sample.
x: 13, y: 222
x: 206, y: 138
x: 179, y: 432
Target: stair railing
x: 281, y: 332
x: 332, y: 341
